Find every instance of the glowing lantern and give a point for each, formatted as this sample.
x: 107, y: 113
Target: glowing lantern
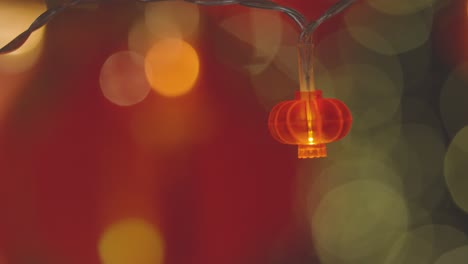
x: 310, y: 122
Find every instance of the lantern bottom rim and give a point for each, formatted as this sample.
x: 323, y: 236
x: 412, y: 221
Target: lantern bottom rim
x: 311, y: 151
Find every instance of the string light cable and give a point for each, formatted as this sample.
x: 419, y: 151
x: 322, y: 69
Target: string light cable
x: 309, y: 120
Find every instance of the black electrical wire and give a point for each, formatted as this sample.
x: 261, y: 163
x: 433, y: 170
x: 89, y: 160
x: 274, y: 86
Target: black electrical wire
x: 307, y: 28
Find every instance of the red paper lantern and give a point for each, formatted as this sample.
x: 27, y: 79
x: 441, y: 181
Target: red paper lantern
x: 310, y: 122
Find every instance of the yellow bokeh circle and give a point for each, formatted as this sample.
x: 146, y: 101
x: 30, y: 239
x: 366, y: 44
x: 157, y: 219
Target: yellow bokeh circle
x: 172, y: 67
x: 172, y: 19
x: 357, y: 220
x: 15, y: 18
x: 455, y: 256
x: 455, y: 168
x: 400, y: 7
x: 131, y: 241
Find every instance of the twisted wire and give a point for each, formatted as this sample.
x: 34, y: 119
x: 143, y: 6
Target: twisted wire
x: 300, y: 20
x: 306, y: 28
x: 39, y: 22
x: 307, y: 32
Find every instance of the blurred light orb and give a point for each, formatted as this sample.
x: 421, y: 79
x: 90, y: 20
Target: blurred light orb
x: 412, y: 247
x: 286, y: 62
x: 372, y: 96
x: 174, y: 19
x: 369, y: 144
x: 456, y: 256
x: 385, y: 34
x: 446, y: 238
x: 131, y: 241
x: 252, y: 41
x: 357, y: 219
x: 400, y: 7
x: 363, y: 168
x: 172, y: 67
x: 453, y: 98
x: 272, y: 86
x: 339, y: 49
x: 123, y: 80
x: 278, y: 81
x: 456, y: 167
x: 15, y: 17
x: 140, y: 39
x: 286, y: 57
x: 424, y: 244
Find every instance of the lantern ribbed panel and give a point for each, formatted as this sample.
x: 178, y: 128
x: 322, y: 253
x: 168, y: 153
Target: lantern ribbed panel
x: 310, y: 121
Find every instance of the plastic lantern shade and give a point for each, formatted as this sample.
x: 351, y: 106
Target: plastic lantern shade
x: 310, y: 122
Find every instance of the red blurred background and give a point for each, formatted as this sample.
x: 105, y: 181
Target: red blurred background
x: 203, y: 169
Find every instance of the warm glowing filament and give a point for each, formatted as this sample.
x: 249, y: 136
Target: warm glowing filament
x: 310, y: 135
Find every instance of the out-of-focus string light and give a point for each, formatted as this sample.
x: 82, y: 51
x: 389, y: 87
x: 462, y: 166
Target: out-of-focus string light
x: 455, y: 168
x: 171, y: 67
x: 424, y: 244
x: 445, y: 239
x: 131, y: 241
x: 173, y: 19
x: 411, y: 247
x: 456, y: 256
x: 260, y: 30
x: 163, y: 20
x: 345, y: 231
x: 140, y: 39
x: 14, y: 17
x: 400, y: 7
x: 369, y: 91
x: 385, y: 34
x: 123, y: 79
x: 338, y: 173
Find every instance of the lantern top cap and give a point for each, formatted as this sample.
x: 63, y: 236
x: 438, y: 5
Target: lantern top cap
x: 304, y: 95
